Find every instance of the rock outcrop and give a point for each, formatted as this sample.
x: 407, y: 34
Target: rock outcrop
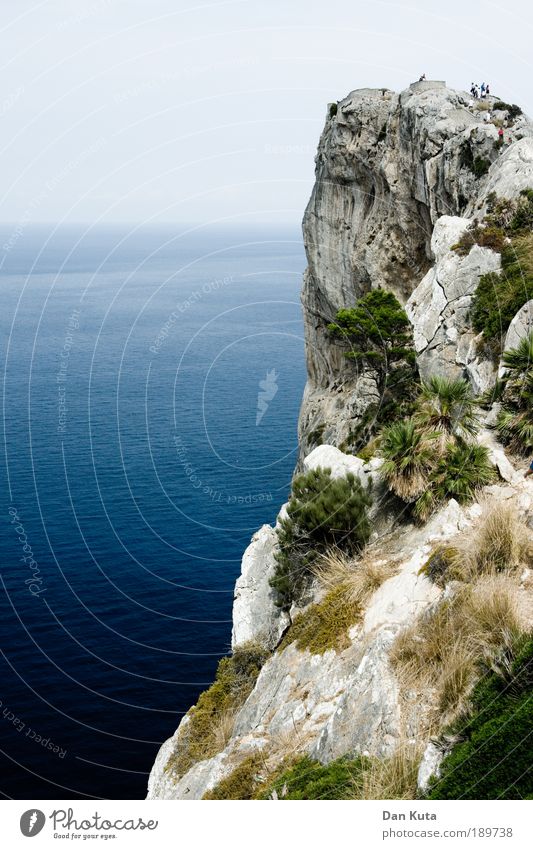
x: 439, y: 308
x: 256, y: 618
x: 520, y: 326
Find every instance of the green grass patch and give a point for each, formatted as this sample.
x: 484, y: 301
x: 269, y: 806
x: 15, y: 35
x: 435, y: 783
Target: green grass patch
x: 243, y: 783
x: 486, y: 237
x: 499, y: 296
x: 324, y: 625
x: 309, y: 779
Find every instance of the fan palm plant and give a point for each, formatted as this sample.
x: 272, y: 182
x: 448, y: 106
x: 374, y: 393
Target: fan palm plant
x: 519, y: 360
x: 447, y: 407
x: 407, y: 459
x: 515, y: 427
x: 515, y: 420
x: 460, y: 472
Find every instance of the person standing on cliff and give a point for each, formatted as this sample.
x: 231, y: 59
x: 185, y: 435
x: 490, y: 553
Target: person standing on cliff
x: 421, y: 78
x: 500, y: 137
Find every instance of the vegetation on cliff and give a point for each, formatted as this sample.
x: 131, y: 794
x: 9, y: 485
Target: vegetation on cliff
x: 507, y: 230
x: 323, y: 512
x: 515, y: 419
x: 379, y: 338
x: 432, y: 456
x: 210, y: 721
x: 493, y: 758
x: 348, y: 583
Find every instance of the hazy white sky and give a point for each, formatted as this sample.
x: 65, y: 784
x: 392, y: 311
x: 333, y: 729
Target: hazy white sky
x: 184, y: 110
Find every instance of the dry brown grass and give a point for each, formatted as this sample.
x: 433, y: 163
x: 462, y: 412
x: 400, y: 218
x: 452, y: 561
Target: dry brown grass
x: 223, y: 729
x: 391, y: 778
x: 360, y: 578
x: 499, y: 543
x: 523, y: 249
x: 445, y: 649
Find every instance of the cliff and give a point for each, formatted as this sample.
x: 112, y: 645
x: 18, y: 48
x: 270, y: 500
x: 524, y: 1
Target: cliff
x: 388, y: 167
x: 400, y: 179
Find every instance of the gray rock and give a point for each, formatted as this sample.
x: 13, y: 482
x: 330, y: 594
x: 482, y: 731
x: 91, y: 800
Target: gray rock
x: 439, y: 308
x: 255, y: 615
x: 521, y: 325
x: 514, y: 170
x: 329, y: 457
x: 429, y: 766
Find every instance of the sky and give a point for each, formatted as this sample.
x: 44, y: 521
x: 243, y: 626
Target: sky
x: 153, y: 111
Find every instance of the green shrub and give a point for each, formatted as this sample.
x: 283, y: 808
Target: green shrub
x: 498, y: 297
x: 333, y: 108
x: 438, y: 563
x: 523, y: 212
x: 309, y: 779
x: 494, y: 760
x: 477, y: 164
x: 480, y: 166
x: 486, y: 237
x: 324, y: 625
x: 446, y: 406
x: 429, y: 458
x: 511, y: 108
x: 316, y: 435
x: 322, y: 513
x: 466, y: 157
x: 234, y: 681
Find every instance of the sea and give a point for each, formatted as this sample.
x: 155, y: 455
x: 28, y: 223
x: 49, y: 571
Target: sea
x: 151, y: 387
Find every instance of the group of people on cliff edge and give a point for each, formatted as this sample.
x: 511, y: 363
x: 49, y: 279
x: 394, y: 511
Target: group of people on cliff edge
x: 480, y: 92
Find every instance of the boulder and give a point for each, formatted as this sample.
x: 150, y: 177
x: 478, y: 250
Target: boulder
x: 329, y: 457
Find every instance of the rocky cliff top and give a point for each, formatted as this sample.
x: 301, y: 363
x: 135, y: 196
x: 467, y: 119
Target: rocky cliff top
x: 388, y: 167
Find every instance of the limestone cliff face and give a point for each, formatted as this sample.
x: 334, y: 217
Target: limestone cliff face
x: 388, y: 167
x: 395, y: 189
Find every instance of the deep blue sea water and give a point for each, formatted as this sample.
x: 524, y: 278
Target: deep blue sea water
x: 136, y: 468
